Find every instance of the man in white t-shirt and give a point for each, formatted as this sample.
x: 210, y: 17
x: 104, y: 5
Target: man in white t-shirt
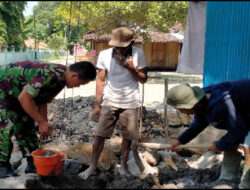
x: 120, y: 68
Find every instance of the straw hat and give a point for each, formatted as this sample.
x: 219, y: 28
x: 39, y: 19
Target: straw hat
x: 121, y: 37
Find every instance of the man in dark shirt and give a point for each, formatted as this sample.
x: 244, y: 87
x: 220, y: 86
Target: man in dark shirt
x: 225, y: 106
x: 25, y: 89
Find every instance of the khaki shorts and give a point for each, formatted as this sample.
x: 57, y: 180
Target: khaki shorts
x: 128, y: 119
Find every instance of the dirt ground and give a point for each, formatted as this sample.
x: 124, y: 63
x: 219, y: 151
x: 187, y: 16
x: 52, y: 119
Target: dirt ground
x: 154, y: 92
x: 184, y: 178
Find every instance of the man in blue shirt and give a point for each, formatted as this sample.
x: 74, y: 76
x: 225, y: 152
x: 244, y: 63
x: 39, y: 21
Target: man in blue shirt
x: 225, y: 106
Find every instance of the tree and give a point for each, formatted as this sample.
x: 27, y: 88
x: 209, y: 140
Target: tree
x: 3, y: 31
x: 106, y: 15
x: 11, y: 23
x: 56, y: 42
x: 45, y: 22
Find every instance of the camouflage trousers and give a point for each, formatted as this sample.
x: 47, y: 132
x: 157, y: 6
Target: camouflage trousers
x: 20, y: 125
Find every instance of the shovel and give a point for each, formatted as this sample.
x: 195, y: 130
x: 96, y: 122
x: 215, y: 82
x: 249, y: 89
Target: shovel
x: 163, y: 146
x: 159, y: 146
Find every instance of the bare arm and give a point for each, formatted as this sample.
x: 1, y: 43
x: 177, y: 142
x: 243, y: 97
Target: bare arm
x: 100, y: 82
x: 43, y: 111
x: 31, y: 109
x: 138, y: 74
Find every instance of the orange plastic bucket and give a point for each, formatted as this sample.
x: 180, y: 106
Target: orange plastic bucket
x: 48, y: 164
x: 62, y: 158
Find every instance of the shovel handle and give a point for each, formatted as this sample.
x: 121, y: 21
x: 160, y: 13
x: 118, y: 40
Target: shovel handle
x: 162, y: 146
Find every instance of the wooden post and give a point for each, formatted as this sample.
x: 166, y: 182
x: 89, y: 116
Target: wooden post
x: 166, y: 109
x: 141, y: 110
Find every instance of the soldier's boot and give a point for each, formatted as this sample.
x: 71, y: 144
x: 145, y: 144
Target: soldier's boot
x: 6, y: 171
x: 31, y: 168
x: 230, y: 166
x: 245, y: 178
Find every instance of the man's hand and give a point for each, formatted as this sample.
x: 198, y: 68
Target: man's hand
x: 129, y: 64
x: 214, y: 148
x: 174, y: 144
x: 45, y: 130
x: 96, y: 113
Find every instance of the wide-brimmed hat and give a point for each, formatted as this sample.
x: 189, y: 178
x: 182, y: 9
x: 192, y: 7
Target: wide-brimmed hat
x: 121, y: 37
x: 184, y: 96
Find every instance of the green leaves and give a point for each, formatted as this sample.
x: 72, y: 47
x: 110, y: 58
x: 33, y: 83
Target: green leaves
x: 56, y: 42
x: 11, y: 23
x: 44, y: 21
x: 48, y: 25
x: 73, y: 19
x: 106, y: 15
x: 3, y: 34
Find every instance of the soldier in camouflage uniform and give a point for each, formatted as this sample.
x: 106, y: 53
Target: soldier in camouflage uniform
x: 25, y: 89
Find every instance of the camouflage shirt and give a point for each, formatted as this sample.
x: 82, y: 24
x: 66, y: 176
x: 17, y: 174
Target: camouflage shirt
x: 42, y: 81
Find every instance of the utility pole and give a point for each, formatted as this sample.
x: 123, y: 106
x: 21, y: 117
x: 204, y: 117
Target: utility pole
x: 35, y: 32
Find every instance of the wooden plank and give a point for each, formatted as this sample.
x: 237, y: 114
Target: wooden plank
x: 158, y: 55
x: 172, y: 55
x: 147, y: 49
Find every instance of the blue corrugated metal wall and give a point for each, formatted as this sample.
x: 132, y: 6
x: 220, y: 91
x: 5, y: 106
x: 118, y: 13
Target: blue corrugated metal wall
x: 227, y: 41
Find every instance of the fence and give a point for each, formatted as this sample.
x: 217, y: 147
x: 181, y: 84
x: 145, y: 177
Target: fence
x: 30, y: 54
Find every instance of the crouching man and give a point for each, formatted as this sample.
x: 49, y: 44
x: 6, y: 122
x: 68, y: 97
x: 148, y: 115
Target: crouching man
x: 225, y: 106
x: 25, y: 89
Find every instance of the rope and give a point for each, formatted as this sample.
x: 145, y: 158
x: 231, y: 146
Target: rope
x: 64, y: 94
x: 75, y: 52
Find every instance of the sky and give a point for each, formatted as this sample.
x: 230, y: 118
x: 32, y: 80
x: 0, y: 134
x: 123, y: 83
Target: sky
x: 29, y: 8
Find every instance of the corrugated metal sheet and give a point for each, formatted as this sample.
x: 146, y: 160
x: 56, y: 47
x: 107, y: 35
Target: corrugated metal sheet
x: 227, y: 41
